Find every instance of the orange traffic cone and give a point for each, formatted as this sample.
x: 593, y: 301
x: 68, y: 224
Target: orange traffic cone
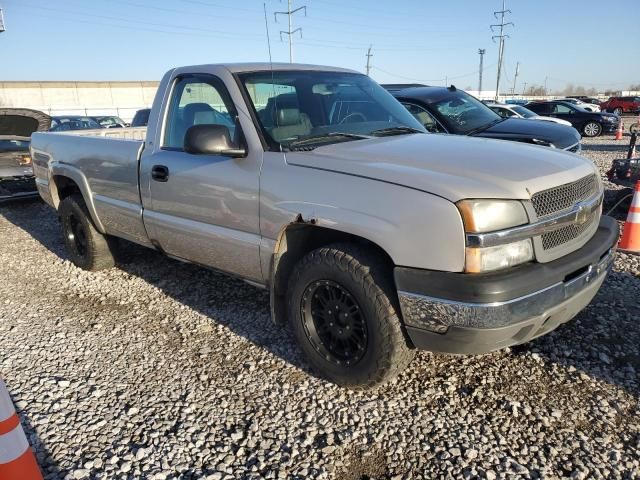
x: 630, y: 241
x: 17, y: 460
x: 620, y: 130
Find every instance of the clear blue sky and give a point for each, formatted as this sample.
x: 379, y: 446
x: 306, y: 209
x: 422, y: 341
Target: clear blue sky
x: 593, y: 43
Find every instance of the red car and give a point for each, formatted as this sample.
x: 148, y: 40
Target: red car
x: 620, y: 105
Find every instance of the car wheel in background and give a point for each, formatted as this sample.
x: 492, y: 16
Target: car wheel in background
x: 592, y: 129
x: 345, y: 316
x: 86, y: 246
x: 617, y: 111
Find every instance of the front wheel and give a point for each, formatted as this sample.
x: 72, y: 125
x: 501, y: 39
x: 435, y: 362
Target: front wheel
x: 592, y: 129
x: 87, y: 247
x: 344, y: 315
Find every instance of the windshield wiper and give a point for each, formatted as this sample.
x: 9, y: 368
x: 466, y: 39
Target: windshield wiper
x: 325, y: 136
x: 484, y: 127
x: 399, y: 130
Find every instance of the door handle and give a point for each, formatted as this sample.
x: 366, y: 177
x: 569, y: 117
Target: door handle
x: 160, y: 173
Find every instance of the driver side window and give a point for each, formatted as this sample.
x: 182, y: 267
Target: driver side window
x: 198, y: 101
x: 424, y: 117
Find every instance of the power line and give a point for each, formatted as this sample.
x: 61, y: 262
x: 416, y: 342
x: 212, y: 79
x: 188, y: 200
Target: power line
x: 481, y: 51
x: 502, y: 37
x: 289, y: 13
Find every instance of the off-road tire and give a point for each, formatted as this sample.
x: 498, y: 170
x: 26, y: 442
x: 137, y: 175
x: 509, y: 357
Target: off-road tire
x: 359, y: 271
x: 98, y: 250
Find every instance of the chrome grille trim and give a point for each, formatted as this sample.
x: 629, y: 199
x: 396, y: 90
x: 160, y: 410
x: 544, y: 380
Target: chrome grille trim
x: 554, y: 200
x: 543, y: 226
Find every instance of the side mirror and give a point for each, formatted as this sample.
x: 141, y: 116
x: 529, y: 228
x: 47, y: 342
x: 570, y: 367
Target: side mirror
x: 211, y: 140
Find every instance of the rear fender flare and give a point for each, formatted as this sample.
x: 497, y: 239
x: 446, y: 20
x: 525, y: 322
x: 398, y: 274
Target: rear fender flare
x: 58, y: 169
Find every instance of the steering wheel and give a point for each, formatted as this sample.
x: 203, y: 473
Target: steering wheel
x: 353, y: 115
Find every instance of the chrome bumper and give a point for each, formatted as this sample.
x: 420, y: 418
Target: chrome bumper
x: 438, y: 315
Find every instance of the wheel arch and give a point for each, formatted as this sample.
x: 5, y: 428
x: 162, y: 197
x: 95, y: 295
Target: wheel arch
x: 67, y: 180
x: 293, y: 243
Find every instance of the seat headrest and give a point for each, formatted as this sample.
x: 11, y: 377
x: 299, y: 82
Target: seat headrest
x: 287, y: 116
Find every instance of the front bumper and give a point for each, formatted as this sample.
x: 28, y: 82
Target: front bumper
x: 610, y: 127
x: 13, y: 188
x: 478, y: 313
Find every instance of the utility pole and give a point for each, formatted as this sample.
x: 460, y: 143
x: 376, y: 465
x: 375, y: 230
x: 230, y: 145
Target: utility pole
x: 2, y: 29
x: 513, y: 91
x: 289, y: 13
x: 481, y: 51
x: 369, y: 55
x: 501, y: 36
x: 524, y: 88
x: 545, y: 85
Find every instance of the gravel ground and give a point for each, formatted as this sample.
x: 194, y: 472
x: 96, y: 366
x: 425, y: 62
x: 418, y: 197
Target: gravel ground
x: 162, y: 370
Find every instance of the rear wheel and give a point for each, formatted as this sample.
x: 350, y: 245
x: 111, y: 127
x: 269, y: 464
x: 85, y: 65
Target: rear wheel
x: 343, y: 313
x: 617, y: 111
x: 592, y: 129
x: 87, y: 247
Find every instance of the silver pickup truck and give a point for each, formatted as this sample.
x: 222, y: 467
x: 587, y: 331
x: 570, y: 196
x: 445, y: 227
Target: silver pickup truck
x: 373, y: 237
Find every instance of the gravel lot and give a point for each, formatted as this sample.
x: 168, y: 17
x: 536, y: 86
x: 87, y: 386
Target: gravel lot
x: 162, y: 370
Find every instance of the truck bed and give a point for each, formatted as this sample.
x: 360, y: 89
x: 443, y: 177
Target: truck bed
x: 103, y: 162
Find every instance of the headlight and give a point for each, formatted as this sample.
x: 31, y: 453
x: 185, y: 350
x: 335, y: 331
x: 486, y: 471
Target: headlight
x: 611, y: 119
x: 25, y: 160
x: 501, y: 256
x: 480, y: 216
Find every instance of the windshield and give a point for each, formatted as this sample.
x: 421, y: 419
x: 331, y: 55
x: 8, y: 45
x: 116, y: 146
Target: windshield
x: 61, y: 124
x: 525, y: 112
x: 312, y: 107
x: 14, y: 145
x: 461, y: 113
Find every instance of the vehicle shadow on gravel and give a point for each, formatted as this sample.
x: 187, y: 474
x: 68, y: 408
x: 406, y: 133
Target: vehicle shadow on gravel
x: 620, y: 146
x: 602, y: 340
x: 242, y: 308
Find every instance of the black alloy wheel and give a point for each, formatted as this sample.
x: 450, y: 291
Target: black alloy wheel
x: 334, y: 322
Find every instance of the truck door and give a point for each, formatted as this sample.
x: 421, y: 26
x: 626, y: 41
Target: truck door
x: 203, y: 208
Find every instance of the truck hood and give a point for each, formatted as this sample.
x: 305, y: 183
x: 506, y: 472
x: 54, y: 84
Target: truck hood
x: 22, y: 122
x: 451, y: 166
x: 524, y: 130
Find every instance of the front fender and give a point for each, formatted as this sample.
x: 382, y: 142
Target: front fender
x: 414, y: 228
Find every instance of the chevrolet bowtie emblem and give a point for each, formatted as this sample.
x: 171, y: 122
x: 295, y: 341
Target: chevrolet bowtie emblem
x: 582, y: 215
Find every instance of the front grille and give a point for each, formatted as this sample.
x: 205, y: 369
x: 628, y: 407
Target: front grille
x: 560, y: 199
x: 564, y: 235
x: 564, y: 197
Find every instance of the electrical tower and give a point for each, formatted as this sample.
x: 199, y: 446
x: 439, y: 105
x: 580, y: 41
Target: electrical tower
x: 289, y: 13
x: 501, y: 36
x: 2, y: 29
x: 369, y: 55
x: 481, y: 51
x: 513, y: 91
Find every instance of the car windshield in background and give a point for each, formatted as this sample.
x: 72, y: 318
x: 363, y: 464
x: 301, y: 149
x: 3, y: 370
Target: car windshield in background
x: 311, y: 108
x: 463, y: 114
x: 109, y: 122
x: 525, y: 112
x: 61, y: 124
x: 14, y: 145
